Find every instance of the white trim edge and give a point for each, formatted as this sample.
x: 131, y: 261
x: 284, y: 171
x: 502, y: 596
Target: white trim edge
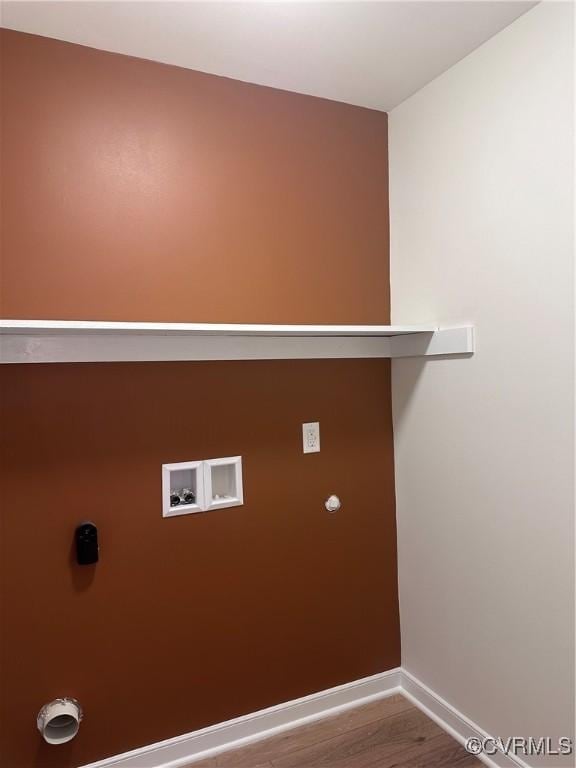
x: 451, y: 720
x: 182, y: 750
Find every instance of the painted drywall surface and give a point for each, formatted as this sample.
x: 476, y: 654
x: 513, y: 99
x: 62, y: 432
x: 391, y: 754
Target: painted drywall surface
x: 133, y: 190
x: 137, y: 191
x: 481, y: 208
x: 374, y: 54
x: 190, y: 620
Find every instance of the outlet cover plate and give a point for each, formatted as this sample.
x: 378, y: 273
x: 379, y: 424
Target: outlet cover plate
x: 311, y: 437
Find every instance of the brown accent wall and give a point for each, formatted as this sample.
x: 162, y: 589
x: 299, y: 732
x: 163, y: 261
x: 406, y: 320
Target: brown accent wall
x: 191, y: 620
x: 133, y: 190
x: 138, y: 191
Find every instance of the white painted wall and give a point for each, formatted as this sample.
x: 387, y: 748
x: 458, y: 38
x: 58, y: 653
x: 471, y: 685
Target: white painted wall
x: 481, y: 167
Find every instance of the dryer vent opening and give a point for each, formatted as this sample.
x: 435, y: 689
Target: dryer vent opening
x: 59, y: 721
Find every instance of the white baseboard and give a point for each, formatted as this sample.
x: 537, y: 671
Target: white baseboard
x: 182, y: 750
x: 451, y: 720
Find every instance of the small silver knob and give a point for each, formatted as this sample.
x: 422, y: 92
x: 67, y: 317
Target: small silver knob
x: 332, y: 503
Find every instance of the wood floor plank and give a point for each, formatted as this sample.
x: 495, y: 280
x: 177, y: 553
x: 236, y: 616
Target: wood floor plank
x: 306, y: 735
x: 441, y: 751
x: 211, y: 762
x: 360, y: 747
x: 389, y: 733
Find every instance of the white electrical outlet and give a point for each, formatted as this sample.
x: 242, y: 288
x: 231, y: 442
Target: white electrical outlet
x: 311, y: 437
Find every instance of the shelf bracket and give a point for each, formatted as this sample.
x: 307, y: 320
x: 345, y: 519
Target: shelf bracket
x: 444, y: 341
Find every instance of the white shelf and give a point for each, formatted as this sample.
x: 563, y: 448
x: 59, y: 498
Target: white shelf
x: 58, y: 327
x: 68, y: 341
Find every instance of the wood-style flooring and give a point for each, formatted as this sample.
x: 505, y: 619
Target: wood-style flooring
x: 390, y: 733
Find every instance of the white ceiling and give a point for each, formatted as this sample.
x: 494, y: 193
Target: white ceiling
x: 373, y: 54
